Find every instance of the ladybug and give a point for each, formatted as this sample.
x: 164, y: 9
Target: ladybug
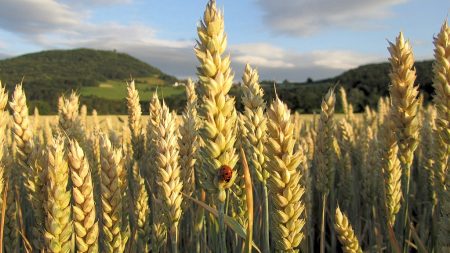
x: 225, y: 173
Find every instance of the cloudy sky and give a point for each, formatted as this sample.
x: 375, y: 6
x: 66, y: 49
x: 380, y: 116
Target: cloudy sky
x: 292, y: 39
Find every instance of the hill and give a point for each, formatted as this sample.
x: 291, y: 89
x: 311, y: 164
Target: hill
x: 99, y: 76
x: 364, y: 85
x: 49, y: 73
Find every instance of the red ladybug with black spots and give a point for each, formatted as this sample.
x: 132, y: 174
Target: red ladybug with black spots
x: 225, y: 173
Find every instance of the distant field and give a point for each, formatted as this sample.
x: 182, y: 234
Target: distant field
x: 117, y: 89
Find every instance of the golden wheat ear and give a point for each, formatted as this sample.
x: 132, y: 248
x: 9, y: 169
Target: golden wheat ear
x: 58, y: 222
x: 285, y: 192
x: 346, y: 234
x: 84, y: 212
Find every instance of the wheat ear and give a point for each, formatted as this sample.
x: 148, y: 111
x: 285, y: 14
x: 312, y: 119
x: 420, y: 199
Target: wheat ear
x: 159, y: 230
x: 405, y: 105
x: 255, y: 123
x: 69, y: 118
x: 285, y: 189
x: 345, y: 136
x: 111, y: 169
x: 169, y: 181
x: 134, y: 121
x: 404, y: 96
x: 83, y: 116
x: 188, y: 142
x: 84, y: 213
x: 346, y: 234
x: 58, y: 222
x: 441, y: 80
x: 390, y: 166
x: 11, y: 241
x: 441, y: 83
x: 217, y: 107
x: 325, y: 141
x: 142, y: 216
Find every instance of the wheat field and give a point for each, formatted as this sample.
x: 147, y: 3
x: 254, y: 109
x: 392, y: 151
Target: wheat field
x: 215, y: 179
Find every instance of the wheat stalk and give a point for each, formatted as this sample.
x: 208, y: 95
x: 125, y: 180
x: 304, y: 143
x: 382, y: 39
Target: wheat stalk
x: 345, y: 136
x: 10, y: 240
x: 111, y: 169
x: 346, y: 234
x: 142, y: 217
x: 441, y: 80
x: 237, y: 193
x: 169, y: 181
x: 188, y: 142
x: 427, y: 147
x: 390, y: 166
x: 346, y: 107
x: 325, y: 141
x: 134, y: 121
x: 159, y: 230
x: 217, y: 108
x: 285, y: 189
x: 405, y: 105
x: 69, y: 118
x: 84, y: 213
x: 404, y: 100
x: 22, y: 131
x: 254, y: 121
x: 255, y: 124
x: 153, y: 122
x: 58, y: 221
x: 83, y: 116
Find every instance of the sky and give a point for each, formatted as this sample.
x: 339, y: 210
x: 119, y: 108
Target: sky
x: 284, y: 39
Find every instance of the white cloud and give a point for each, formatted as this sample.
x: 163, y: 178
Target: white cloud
x: 34, y: 17
x: 260, y: 54
x: 339, y: 59
x: 52, y: 24
x: 278, y: 63
x: 305, y: 17
x: 269, y: 56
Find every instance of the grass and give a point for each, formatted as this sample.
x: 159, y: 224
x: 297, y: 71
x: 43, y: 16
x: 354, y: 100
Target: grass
x: 117, y: 89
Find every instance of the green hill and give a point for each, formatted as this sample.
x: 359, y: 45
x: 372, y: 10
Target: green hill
x: 364, y: 85
x: 49, y: 73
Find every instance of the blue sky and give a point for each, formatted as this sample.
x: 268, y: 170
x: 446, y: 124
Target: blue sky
x: 292, y: 39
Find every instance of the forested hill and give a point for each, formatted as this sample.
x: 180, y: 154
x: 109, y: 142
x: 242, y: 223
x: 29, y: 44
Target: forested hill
x: 364, y: 85
x: 47, y: 74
